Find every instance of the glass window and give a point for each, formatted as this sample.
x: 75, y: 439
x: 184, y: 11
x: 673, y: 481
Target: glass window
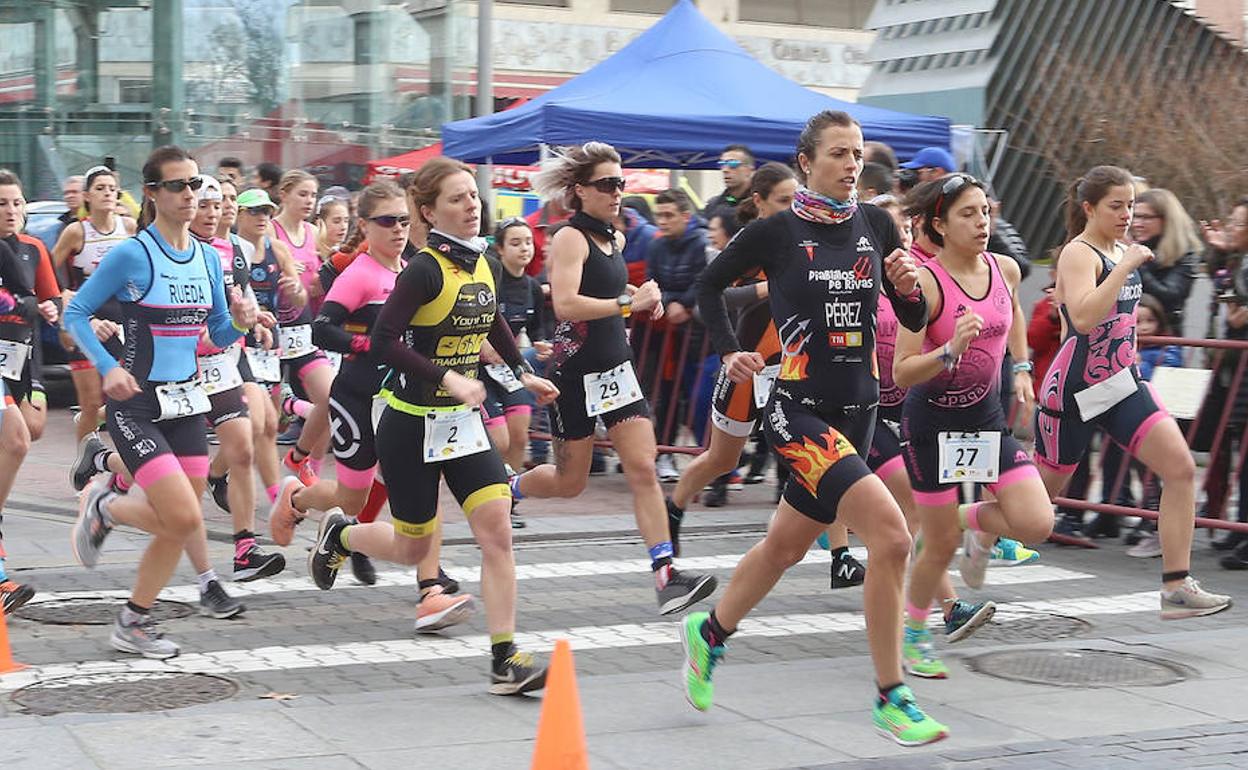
x: 841, y: 14
x: 642, y: 6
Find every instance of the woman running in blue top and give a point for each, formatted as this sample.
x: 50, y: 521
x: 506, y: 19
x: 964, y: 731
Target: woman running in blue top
x: 170, y: 287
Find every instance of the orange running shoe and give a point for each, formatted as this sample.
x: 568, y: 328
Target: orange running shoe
x: 283, y: 516
x: 14, y: 595
x: 301, y: 469
x: 438, y: 610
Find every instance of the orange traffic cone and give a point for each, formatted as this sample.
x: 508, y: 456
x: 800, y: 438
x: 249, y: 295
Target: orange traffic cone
x: 8, y: 665
x: 560, y: 733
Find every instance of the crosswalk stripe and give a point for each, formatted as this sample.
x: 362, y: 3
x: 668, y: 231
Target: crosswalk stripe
x: 1030, y: 573
x: 239, y: 661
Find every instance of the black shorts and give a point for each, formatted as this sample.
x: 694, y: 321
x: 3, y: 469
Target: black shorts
x: 227, y: 405
x: 1062, y: 438
x: 152, y: 448
x: 412, y: 483
x: 499, y: 402
x: 21, y: 390
x: 922, y: 456
x: 820, y: 451
x: 886, y: 447
x: 732, y: 405
x: 568, y: 418
x: 351, y: 431
x: 294, y: 369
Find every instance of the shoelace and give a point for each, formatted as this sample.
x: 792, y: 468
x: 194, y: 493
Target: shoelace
x: 521, y: 659
x: 909, y: 708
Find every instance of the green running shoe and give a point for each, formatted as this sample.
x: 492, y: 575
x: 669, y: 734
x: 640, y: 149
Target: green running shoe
x: 917, y: 656
x: 1011, y: 553
x: 901, y: 719
x: 700, y: 661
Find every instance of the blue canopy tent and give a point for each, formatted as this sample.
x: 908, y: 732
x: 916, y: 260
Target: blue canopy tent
x: 672, y: 98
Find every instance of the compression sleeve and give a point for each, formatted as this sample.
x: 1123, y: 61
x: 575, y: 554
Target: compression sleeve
x: 419, y: 283
x: 911, y: 311
x: 744, y: 254
x: 328, y: 334
x: 220, y: 323
x: 124, y: 274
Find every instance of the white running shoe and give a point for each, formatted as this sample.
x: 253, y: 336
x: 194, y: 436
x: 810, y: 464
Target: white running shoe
x: 1149, y: 547
x: 1191, y: 601
x: 974, y: 562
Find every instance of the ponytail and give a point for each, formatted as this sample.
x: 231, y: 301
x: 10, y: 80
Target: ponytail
x: 747, y: 211
x: 1091, y: 188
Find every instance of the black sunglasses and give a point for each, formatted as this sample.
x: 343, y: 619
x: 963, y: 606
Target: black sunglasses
x: 607, y: 184
x: 390, y: 220
x: 257, y: 211
x: 178, y: 185
x: 952, y: 184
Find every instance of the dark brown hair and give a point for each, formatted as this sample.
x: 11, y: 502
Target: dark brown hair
x: 1091, y: 188
x: 678, y: 197
x: 427, y: 185
x: 154, y: 171
x: 929, y: 201
x: 808, y: 142
x: 381, y: 190
x: 763, y: 182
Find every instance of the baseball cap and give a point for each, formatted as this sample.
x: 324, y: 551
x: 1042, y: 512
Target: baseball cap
x: 254, y: 198
x: 210, y: 190
x: 932, y: 157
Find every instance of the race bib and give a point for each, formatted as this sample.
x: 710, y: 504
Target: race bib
x: 454, y: 434
x: 1105, y: 395
x: 610, y: 390
x: 763, y: 381
x: 503, y: 375
x: 335, y: 361
x: 265, y: 366
x: 12, y: 359
x: 181, y: 399
x: 295, y: 340
x: 219, y: 372
x: 971, y: 456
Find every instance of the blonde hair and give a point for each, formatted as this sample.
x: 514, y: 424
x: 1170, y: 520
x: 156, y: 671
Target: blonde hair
x: 292, y: 179
x: 569, y: 167
x: 1178, y: 232
x: 322, y: 232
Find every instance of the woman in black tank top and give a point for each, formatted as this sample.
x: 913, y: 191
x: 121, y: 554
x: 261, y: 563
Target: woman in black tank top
x: 592, y: 362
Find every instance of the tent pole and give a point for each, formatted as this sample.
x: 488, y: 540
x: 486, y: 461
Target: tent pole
x: 485, y: 95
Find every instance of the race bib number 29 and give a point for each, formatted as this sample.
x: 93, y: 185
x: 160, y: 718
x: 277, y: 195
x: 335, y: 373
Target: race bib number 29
x: 610, y: 390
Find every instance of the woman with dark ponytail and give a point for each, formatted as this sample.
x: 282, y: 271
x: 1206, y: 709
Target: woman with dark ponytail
x: 1099, y: 385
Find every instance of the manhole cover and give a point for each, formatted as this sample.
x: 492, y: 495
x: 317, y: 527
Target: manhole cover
x: 123, y: 693
x: 1034, y: 628
x: 1080, y: 668
x: 93, y: 612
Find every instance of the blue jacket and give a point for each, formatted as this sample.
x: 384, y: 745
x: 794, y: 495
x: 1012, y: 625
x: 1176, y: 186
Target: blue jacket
x: 1151, y: 358
x: 675, y: 263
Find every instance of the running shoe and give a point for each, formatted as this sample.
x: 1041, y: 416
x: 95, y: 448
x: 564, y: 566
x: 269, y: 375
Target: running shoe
x: 214, y: 602
x: 917, y: 656
x: 700, y: 661
x: 92, y: 524
x: 847, y: 572
x: 665, y: 466
x: 1235, y: 560
x: 1229, y: 541
x: 362, y: 569
x: 753, y: 477
x: 974, y: 561
x: 142, y: 638
x: 290, y: 436
x: 964, y: 618
x: 283, y: 517
x: 437, y: 610
x: 516, y: 675
x: 302, y: 469
x: 517, y: 521
x: 1069, y: 524
x: 83, y: 469
x: 736, y: 482
x: 220, y: 488
x: 716, y: 496
x: 13, y: 595
x: 900, y: 718
x: 1011, y: 553
x: 1191, y: 601
x: 328, y: 556
x: 1149, y: 547
x: 675, y: 516
x: 256, y: 564
x: 449, y: 584
x: 684, y: 590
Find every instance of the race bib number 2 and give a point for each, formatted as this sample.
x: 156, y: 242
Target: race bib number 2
x: 454, y: 434
x: 974, y: 456
x: 181, y: 399
x: 12, y: 359
x: 612, y: 389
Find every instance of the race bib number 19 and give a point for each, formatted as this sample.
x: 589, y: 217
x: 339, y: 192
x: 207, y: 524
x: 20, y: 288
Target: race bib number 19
x: 219, y: 372
x: 972, y: 456
x: 610, y: 390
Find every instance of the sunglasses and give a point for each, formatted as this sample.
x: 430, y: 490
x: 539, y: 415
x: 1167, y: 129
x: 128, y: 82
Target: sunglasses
x: 731, y: 163
x: 952, y: 184
x: 258, y: 211
x: 389, y: 220
x: 607, y: 184
x: 177, y: 185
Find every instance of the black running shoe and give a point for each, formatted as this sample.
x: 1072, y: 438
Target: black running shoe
x: 220, y: 488
x: 517, y: 521
x: 84, y: 465
x: 449, y: 584
x: 14, y: 595
x: 674, y: 517
x: 847, y: 572
x: 516, y: 675
x: 683, y: 590
x: 256, y: 564
x: 327, y: 557
x: 717, y: 495
x: 362, y: 569
x: 216, y: 603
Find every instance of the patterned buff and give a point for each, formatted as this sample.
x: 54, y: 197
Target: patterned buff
x: 816, y: 207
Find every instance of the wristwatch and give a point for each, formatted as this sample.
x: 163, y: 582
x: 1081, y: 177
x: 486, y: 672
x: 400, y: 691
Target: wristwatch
x: 625, y: 301
x: 1023, y: 366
